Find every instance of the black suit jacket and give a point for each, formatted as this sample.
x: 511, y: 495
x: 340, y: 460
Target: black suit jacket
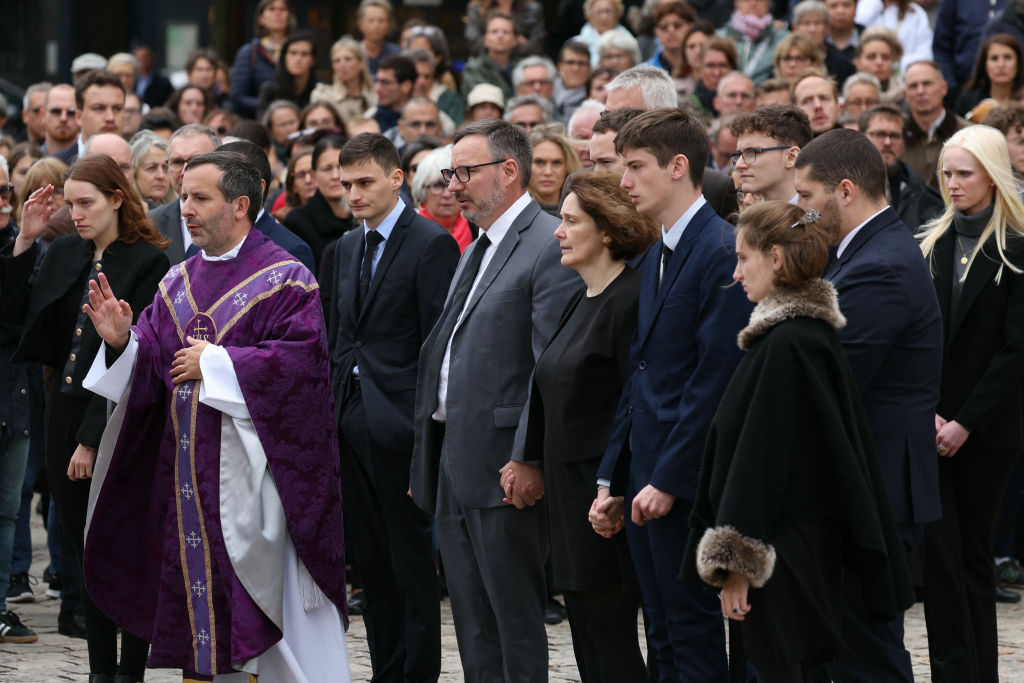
x: 286, y: 239
x: 69, y: 155
x: 168, y: 222
x: 893, y: 341
x: 49, y: 305
x: 383, y: 336
x: 983, y: 355
x: 317, y: 225
x: 158, y: 91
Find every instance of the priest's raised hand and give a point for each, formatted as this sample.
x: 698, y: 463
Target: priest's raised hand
x: 112, y: 317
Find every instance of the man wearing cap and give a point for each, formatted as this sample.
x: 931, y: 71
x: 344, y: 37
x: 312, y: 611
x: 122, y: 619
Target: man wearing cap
x: 485, y: 101
x: 86, y: 63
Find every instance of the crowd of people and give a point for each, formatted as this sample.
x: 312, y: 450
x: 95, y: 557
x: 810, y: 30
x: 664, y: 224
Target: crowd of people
x: 480, y: 327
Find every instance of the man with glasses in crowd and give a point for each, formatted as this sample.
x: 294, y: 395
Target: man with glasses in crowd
x: 59, y: 119
x: 571, y: 83
x: 768, y: 141
x: 509, y: 292
x: 393, y: 84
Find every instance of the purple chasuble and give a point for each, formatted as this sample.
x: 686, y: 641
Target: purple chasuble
x: 155, y: 558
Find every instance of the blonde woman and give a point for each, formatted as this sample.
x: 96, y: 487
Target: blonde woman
x: 795, y: 54
x: 976, y: 253
x: 554, y: 160
x: 351, y: 90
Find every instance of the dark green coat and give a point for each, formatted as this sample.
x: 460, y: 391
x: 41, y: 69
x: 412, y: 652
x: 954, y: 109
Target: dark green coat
x: 790, y: 494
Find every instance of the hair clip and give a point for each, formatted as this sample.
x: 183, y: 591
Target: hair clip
x: 810, y: 217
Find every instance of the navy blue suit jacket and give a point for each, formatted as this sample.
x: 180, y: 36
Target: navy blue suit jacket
x: 893, y: 341
x: 683, y: 353
x: 287, y: 240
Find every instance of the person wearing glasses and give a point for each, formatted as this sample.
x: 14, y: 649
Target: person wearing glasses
x: 717, y: 58
x: 59, y: 119
x: 768, y: 141
x: 436, y: 202
x: 186, y: 142
x: 472, y: 385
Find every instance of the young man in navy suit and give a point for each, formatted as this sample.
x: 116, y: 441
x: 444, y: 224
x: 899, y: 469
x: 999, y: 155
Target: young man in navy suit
x: 682, y: 355
x: 893, y: 341
x: 387, y: 284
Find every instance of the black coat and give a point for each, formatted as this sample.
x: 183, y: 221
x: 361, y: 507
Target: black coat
x: 790, y: 494
x: 983, y: 353
x: 573, y: 397
x: 914, y: 201
x: 317, y: 225
x: 56, y: 333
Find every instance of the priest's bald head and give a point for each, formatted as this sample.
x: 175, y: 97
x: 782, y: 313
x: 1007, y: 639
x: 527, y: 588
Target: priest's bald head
x: 222, y: 196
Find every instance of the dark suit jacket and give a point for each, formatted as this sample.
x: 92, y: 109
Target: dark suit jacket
x: 49, y: 305
x: 315, y: 223
x: 508, y: 320
x: 681, y: 358
x: 158, y: 91
x: 893, y: 341
x: 384, y: 335
x: 983, y: 359
x: 69, y: 155
x: 915, y: 202
x: 168, y: 222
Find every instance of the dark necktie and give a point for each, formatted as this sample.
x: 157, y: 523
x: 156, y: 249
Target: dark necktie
x: 466, y: 279
x: 666, y: 256
x: 373, y: 238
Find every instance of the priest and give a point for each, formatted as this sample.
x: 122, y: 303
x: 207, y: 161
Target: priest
x: 215, y: 523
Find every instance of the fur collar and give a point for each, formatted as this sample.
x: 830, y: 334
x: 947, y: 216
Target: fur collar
x: 815, y: 299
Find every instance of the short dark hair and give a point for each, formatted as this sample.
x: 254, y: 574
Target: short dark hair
x: 370, y: 147
x: 804, y: 243
x: 844, y: 154
x: 1006, y: 118
x: 252, y: 131
x: 602, y: 198
x: 886, y: 111
x: 783, y: 122
x: 404, y: 68
x: 666, y: 132
x: 239, y: 178
x: 677, y: 7
x: 100, y: 77
x: 613, y: 121
x: 504, y: 141
x: 201, y: 53
x: 326, y: 143
x: 576, y: 46
x: 255, y: 156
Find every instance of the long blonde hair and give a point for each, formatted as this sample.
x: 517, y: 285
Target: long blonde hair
x: 988, y: 146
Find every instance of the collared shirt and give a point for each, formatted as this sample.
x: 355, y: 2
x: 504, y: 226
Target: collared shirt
x: 672, y: 236
x: 186, y: 236
x: 384, y: 230
x: 938, y: 122
x: 227, y: 255
x: 849, y: 237
x: 81, y: 146
x: 499, y: 228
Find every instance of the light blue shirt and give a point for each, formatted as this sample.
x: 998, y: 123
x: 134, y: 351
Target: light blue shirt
x: 384, y: 230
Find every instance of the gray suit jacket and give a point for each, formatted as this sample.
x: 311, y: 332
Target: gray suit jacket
x: 168, y: 222
x: 509, y: 319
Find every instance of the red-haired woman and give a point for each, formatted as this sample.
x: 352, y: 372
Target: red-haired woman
x: 117, y: 238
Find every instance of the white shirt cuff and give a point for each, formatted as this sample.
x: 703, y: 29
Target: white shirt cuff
x: 112, y: 383
x: 220, y: 389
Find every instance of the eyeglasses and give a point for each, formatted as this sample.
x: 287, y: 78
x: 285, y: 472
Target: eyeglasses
x: 175, y: 164
x: 578, y: 63
x: 674, y: 26
x: 6, y: 191
x: 437, y: 188
x: 795, y: 59
x: 303, y: 175
x: 882, y: 135
x: 537, y: 83
x: 462, y: 172
x: 750, y: 153
x: 57, y: 111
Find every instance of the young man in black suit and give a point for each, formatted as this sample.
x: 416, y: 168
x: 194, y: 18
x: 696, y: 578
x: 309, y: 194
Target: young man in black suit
x: 387, y: 284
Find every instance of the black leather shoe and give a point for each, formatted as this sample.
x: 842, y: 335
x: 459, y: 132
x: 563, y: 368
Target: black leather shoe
x: 127, y: 678
x: 357, y: 603
x: 72, y: 626
x: 1007, y: 595
x: 100, y: 678
x: 554, y: 612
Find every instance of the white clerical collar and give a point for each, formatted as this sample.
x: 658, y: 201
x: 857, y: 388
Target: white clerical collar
x: 388, y: 224
x: 849, y: 237
x: 672, y: 236
x: 226, y: 256
x: 500, y: 227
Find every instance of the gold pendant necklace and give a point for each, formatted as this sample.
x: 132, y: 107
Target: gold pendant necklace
x: 963, y: 252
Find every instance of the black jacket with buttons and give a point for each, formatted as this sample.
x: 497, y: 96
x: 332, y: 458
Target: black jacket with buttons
x: 20, y: 383
x: 49, y: 306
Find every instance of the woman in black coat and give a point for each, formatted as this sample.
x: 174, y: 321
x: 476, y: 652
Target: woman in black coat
x: 325, y: 216
x: 114, y: 237
x: 976, y: 253
x: 790, y: 502
x: 575, y: 390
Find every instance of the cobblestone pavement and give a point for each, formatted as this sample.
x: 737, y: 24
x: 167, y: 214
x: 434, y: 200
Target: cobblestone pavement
x: 58, y: 658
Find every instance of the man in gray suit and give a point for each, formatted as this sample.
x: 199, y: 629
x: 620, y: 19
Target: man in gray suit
x: 187, y: 142
x: 502, y: 308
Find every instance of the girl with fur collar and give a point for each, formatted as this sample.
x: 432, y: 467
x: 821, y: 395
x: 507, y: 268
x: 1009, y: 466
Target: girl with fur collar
x: 790, y: 509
